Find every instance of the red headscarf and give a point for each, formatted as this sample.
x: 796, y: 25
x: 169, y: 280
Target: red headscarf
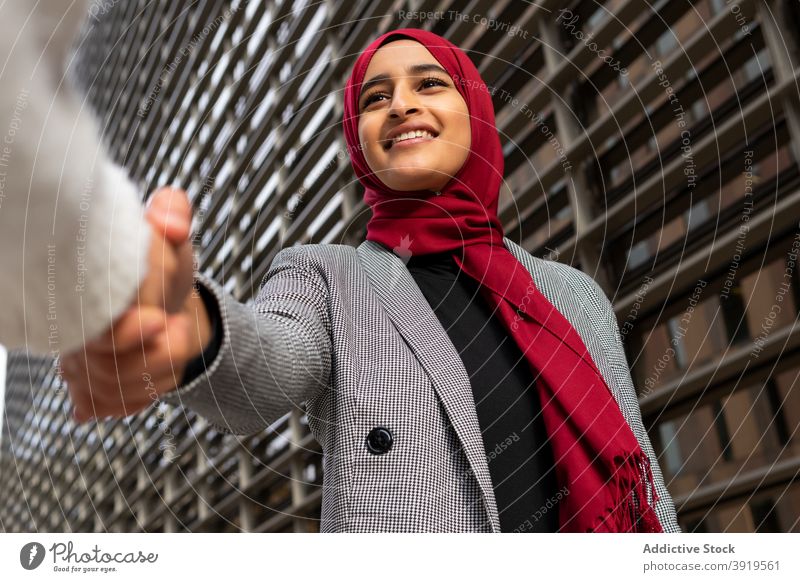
x: 597, y: 455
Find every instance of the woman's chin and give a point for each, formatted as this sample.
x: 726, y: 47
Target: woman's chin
x: 413, y: 178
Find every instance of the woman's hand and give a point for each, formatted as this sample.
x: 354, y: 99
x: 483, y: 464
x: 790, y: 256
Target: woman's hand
x: 146, y: 350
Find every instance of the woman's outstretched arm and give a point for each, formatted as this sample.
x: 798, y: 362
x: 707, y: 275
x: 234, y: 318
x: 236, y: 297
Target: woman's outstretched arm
x: 272, y: 355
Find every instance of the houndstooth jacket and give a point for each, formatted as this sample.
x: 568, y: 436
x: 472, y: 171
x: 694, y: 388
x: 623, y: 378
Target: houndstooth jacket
x: 348, y: 332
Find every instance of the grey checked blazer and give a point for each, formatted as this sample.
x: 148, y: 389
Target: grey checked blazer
x: 348, y: 332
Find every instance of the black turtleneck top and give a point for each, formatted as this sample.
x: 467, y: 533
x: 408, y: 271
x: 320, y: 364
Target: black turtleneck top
x: 508, y: 407
x: 509, y: 411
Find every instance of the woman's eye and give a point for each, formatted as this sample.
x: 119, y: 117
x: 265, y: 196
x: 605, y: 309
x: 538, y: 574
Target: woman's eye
x: 433, y: 81
x: 424, y: 84
x: 372, y: 98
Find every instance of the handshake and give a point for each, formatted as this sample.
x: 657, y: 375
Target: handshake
x: 148, y: 346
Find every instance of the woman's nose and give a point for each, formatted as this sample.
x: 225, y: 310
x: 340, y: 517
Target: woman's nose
x: 404, y: 102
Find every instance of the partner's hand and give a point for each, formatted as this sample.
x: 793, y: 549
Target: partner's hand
x: 146, y: 351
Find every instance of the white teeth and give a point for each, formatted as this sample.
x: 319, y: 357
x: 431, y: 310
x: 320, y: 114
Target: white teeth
x: 412, y: 135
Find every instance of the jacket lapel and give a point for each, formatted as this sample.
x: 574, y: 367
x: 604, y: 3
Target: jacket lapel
x: 417, y: 323
x: 572, y: 306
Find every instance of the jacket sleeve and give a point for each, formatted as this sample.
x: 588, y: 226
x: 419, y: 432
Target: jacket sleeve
x: 72, y: 230
x: 665, y: 507
x: 274, y: 354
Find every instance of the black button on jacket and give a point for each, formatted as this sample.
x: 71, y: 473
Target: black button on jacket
x: 379, y: 440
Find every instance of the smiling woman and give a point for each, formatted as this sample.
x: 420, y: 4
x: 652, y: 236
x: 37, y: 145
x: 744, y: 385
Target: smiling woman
x: 529, y: 368
x: 454, y: 382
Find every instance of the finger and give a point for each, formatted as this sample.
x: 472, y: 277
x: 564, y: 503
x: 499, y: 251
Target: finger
x: 170, y: 275
x: 176, y: 341
x: 80, y: 409
x: 170, y: 214
x: 182, y: 278
x: 80, y: 416
x: 133, y: 370
x: 93, y: 398
x: 81, y: 399
x: 131, y: 332
x: 103, y: 410
x: 150, y: 324
x: 86, y: 393
x: 73, y: 372
x: 169, y: 350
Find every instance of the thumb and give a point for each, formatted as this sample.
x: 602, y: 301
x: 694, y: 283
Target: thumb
x: 170, y: 214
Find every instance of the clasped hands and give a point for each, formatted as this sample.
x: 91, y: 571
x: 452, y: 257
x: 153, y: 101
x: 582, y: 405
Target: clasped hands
x: 146, y: 350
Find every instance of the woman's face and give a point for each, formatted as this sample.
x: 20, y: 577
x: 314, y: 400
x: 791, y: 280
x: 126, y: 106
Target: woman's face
x: 406, y: 91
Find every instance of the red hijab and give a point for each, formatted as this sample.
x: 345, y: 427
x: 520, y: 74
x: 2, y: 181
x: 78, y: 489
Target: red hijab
x: 597, y: 455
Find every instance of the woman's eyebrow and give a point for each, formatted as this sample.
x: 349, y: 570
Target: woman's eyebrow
x: 411, y: 70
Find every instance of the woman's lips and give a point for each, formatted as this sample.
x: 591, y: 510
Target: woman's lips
x: 409, y: 142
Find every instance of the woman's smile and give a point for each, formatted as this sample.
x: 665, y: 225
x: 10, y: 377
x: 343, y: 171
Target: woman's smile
x: 404, y: 142
x: 409, y: 134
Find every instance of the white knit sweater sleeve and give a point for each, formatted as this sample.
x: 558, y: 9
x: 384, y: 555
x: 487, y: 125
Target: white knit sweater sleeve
x: 73, y: 239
